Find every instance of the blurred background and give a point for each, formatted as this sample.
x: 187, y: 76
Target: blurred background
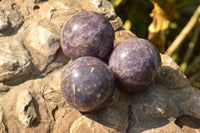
x: 173, y: 26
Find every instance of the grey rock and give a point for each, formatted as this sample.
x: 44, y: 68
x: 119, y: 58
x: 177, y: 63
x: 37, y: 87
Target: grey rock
x: 25, y: 109
x: 176, y: 78
x: 3, y: 88
x: 108, y: 11
x: 42, y: 40
x: 14, y: 59
x: 122, y: 34
x: 2, y: 125
x: 11, y: 18
x: 42, y: 45
x: 105, y: 8
x: 3, y: 21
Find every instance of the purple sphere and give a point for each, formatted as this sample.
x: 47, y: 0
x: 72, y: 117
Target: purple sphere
x: 87, y: 84
x: 135, y: 63
x: 87, y: 33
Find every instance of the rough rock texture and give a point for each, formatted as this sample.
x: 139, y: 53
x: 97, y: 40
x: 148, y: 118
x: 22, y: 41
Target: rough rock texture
x: 31, y: 64
x: 122, y: 34
x: 25, y: 109
x: 15, y: 62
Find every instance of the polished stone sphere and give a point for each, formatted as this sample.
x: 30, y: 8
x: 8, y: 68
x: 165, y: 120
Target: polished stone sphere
x: 87, y: 84
x: 87, y: 33
x: 135, y: 63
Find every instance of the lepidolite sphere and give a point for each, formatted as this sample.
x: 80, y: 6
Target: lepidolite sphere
x: 87, y: 84
x: 87, y: 33
x: 135, y: 63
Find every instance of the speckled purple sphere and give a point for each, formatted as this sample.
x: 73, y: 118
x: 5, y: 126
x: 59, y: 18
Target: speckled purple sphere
x: 87, y: 33
x: 87, y: 84
x: 135, y: 63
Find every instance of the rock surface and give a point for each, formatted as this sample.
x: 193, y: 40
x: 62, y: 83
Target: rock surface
x: 31, y: 64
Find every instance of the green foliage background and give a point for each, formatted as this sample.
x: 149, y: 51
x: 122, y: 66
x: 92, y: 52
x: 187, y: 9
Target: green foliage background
x: 137, y: 11
x: 136, y: 17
